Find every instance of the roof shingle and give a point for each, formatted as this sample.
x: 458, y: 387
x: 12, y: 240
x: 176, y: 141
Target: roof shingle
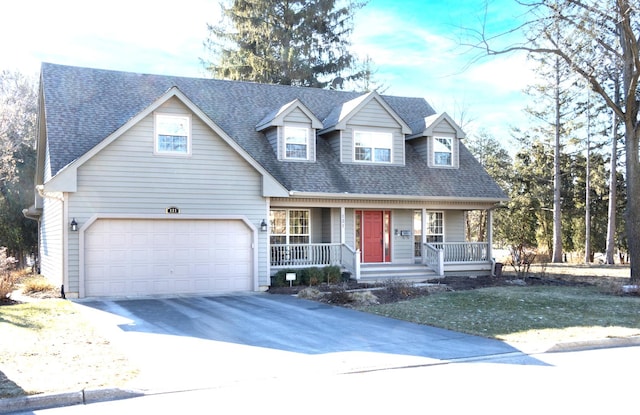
x: 84, y: 106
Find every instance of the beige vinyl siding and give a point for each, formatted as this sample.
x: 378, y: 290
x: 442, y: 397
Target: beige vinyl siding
x: 51, y: 241
x: 334, y: 139
x: 327, y: 226
x: 374, y: 115
x: 127, y: 178
x: 297, y: 116
x: 271, y: 135
x: 350, y: 227
x: 315, y: 217
x: 420, y: 145
x: 454, y: 226
x: 402, y: 246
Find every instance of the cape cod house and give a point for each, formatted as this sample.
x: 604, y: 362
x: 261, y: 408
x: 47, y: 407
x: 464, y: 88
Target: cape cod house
x: 152, y: 184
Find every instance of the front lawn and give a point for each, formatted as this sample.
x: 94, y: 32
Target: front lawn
x: 526, y: 314
x: 47, y: 346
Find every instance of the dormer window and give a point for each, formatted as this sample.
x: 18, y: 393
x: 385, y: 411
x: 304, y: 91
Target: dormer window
x: 296, y: 140
x: 443, y: 151
x: 172, y: 134
x: 373, y: 146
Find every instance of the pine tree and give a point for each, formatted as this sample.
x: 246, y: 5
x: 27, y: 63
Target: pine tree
x: 287, y: 42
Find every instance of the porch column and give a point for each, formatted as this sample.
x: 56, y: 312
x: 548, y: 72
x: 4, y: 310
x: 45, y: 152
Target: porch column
x: 490, y: 233
x: 424, y: 226
x: 342, y: 225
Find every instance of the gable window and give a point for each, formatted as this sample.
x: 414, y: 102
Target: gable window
x: 296, y: 140
x: 443, y: 151
x: 172, y: 134
x: 372, y: 146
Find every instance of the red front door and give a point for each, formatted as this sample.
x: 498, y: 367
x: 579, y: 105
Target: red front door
x: 373, y: 236
x: 373, y: 242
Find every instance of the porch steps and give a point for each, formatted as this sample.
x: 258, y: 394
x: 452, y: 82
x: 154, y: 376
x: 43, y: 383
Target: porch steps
x: 408, y: 272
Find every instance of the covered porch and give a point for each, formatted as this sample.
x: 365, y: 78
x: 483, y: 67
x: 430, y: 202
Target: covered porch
x: 378, y: 242
x: 437, y: 259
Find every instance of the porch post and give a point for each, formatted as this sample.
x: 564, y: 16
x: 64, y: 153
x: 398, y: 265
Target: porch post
x: 424, y: 226
x: 490, y: 234
x: 342, y: 225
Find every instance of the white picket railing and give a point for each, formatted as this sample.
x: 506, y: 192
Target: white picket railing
x: 434, y: 255
x: 463, y: 251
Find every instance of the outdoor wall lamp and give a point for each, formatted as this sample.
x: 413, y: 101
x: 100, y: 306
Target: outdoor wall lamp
x: 74, y: 225
x: 263, y: 226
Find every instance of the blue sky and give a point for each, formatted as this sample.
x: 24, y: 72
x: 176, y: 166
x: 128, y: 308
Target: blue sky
x: 415, y: 45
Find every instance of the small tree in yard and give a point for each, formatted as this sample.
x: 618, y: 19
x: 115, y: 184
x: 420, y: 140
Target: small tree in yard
x: 7, y: 280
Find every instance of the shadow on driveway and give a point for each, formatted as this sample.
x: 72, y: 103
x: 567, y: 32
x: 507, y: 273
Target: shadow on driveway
x: 290, y: 324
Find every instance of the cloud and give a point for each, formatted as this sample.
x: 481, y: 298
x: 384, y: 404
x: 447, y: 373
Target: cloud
x: 119, y: 34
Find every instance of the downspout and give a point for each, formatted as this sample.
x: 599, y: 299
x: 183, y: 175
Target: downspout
x: 56, y: 196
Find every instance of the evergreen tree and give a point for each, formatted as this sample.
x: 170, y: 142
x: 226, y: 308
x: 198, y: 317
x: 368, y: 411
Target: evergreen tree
x: 18, y: 108
x: 287, y: 42
x: 497, y: 162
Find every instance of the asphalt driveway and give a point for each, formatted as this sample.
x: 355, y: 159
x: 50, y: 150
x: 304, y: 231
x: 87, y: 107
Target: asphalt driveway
x: 194, y: 342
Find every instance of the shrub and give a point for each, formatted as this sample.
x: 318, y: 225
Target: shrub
x: 7, y: 278
x: 280, y: 278
x: 339, y: 296
x: 397, y: 290
x: 332, y: 274
x: 37, y: 284
x: 315, y: 275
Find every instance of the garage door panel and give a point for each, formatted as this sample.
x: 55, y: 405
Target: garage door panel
x: 138, y: 257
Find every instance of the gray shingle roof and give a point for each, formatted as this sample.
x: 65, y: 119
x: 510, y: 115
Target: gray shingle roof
x: 84, y: 106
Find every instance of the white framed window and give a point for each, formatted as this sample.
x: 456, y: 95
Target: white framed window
x: 289, y: 226
x: 434, y: 224
x: 296, y: 142
x: 443, y: 151
x: 372, y: 146
x: 172, y: 134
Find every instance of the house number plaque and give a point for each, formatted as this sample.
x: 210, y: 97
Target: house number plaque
x: 173, y: 210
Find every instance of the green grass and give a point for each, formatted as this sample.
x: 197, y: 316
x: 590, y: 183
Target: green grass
x: 523, y: 314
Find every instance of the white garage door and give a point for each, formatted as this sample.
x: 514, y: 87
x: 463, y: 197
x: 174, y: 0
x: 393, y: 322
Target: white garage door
x: 147, y: 257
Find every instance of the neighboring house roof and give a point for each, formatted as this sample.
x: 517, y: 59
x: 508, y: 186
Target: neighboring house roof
x: 83, y: 106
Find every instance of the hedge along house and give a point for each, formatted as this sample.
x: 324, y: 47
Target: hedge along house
x: 152, y: 184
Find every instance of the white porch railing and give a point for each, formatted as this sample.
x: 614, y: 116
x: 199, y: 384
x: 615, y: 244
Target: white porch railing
x: 309, y: 255
x: 463, y: 251
x: 433, y: 257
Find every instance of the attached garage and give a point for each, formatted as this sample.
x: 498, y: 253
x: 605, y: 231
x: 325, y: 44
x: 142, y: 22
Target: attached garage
x: 129, y: 257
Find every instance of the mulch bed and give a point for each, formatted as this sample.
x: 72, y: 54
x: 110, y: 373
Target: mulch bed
x: 396, y: 291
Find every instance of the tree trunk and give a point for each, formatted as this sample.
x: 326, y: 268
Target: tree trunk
x: 613, y: 192
x: 557, y: 222
x: 632, y: 224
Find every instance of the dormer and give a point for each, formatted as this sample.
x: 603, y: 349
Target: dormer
x: 366, y: 130
x: 437, y: 139
x: 291, y: 131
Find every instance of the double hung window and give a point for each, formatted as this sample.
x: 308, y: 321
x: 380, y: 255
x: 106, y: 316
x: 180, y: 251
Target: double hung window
x: 443, y: 151
x: 172, y: 134
x: 372, y: 146
x: 296, y: 141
